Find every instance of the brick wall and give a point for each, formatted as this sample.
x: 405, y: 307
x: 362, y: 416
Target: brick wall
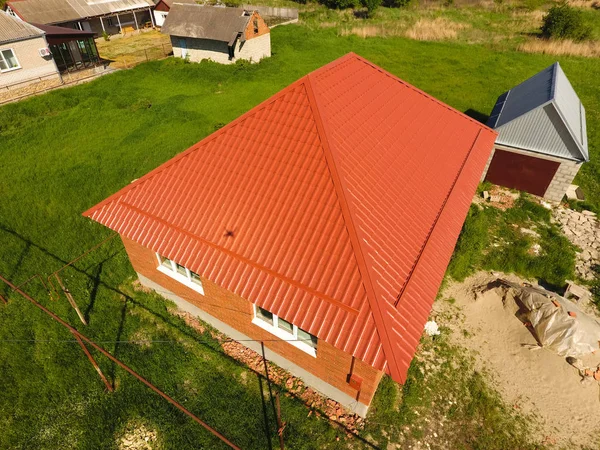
x: 331, y: 365
x: 256, y: 27
x: 562, y: 178
x: 34, y: 68
x: 561, y: 181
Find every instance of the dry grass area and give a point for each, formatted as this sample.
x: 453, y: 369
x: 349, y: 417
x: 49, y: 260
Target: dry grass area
x: 590, y: 49
x: 437, y: 29
x: 119, y: 46
x: 593, y: 4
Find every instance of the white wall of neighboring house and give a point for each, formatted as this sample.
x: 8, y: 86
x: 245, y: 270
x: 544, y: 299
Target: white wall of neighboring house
x: 198, y: 49
x: 159, y: 17
x: 32, y: 67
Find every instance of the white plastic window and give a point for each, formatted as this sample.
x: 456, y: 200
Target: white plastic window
x: 285, y: 330
x: 180, y: 273
x: 8, y: 60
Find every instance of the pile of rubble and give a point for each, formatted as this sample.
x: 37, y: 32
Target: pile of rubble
x: 319, y: 404
x: 581, y: 228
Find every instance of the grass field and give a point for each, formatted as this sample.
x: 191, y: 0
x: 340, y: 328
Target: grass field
x: 65, y: 151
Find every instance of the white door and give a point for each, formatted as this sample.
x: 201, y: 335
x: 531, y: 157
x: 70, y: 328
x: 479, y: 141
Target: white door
x: 183, y: 47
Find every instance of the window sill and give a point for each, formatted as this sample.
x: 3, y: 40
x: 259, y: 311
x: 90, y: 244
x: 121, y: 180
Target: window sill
x: 183, y: 280
x: 284, y: 336
x: 10, y: 70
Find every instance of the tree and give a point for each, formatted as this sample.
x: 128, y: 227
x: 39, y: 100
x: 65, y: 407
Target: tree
x: 371, y: 6
x: 565, y: 22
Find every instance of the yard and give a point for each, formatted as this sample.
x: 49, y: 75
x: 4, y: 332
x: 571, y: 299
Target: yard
x: 65, y: 151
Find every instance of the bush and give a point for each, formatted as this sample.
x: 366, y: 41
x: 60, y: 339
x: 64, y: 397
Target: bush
x: 106, y: 36
x: 396, y: 3
x: 340, y: 4
x: 371, y: 6
x: 565, y: 22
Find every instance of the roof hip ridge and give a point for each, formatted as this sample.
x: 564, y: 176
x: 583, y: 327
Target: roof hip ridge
x: 340, y: 189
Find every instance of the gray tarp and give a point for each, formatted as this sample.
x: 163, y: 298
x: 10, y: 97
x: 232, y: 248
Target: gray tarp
x: 552, y: 325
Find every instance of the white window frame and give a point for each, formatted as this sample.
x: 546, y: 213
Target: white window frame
x: 290, y: 338
x: 183, y: 279
x: 3, y: 59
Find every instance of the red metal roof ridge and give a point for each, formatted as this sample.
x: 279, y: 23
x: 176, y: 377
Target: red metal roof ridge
x: 245, y: 260
x: 435, y: 222
x: 196, y: 146
x: 417, y: 90
x: 349, y: 224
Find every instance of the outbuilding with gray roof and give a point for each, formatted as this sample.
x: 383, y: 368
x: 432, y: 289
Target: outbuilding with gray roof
x: 220, y: 34
x: 542, y: 136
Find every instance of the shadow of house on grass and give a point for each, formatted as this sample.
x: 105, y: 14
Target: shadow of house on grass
x: 477, y: 115
x: 93, y: 273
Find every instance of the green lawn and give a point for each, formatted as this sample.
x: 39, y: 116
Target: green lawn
x: 65, y: 151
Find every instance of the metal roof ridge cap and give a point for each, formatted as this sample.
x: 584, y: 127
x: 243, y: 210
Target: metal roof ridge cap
x: 578, y: 144
x: 555, y: 68
x: 376, y: 312
x: 189, y: 150
x: 419, y: 91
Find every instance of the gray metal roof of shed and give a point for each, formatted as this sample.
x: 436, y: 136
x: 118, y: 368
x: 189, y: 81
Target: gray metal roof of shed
x: 13, y: 29
x: 205, y: 22
x: 59, y: 11
x: 544, y: 115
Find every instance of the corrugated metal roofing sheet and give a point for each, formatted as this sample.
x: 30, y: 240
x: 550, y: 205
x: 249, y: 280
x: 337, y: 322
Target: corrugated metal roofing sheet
x: 345, y: 194
x: 205, y: 22
x: 525, y: 116
x: 13, y: 29
x: 59, y: 11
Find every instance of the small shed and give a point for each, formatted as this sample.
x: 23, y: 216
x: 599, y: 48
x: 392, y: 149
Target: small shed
x: 542, y: 138
x: 220, y: 34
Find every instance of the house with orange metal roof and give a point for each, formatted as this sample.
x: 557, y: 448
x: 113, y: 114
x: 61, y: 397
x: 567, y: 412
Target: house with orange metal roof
x: 320, y: 223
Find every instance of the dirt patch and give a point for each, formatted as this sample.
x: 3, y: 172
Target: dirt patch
x: 138, y: 437
x: 437, y: 29
x: 498, y: 197
x: 534, y: 380
x: 139, y: 287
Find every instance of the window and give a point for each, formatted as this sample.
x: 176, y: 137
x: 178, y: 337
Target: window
x: 255, y: 23
x: 285, y: 330
x: 180, y: 273
x: 8, y: 60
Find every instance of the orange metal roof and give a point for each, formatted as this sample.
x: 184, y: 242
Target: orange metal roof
x: 345, y: 193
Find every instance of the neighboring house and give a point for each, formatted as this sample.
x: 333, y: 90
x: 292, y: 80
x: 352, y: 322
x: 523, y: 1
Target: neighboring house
x: 220, y: 34
x: 24, y: 54
x: 71, y: 49
x: 162, y: 8
x: 542, y: 138
x: 110, y: 16
x: 321, y: 223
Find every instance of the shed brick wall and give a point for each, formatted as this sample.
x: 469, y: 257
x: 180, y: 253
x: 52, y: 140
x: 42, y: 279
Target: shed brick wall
x: 33, y: 66
x: 562, y: 179
x: 331, y: 364
x: 253, y: 49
